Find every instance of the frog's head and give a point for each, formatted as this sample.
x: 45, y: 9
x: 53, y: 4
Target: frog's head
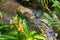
x: 20, y: 9
x: 28, y: 15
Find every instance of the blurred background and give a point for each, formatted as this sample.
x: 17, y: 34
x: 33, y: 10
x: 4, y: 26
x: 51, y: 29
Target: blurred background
x: 29, y: 19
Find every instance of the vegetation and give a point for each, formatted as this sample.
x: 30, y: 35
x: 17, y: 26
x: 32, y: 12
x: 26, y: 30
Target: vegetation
x: 16, y: 19
x: 18, y: 31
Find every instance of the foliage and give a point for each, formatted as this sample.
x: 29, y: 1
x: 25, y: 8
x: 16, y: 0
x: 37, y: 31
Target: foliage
x: 56, y: 5
x: 18, y: 28
x: 10, y: 31
x: 54, y: 21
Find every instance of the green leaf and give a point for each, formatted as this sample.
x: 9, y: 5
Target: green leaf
x: 20, y: 19
x: 7, y: 37
x: 55, y: 17
x: 22, y: 36
x: 39, y: 37
x: 13, y: 32
x: 4, y: 26
x: 29, y: 38
x: 44, y: 20
x: 47, y: 17
x: 55, y: 3
x: 56, y: 11
x: 32, y: 33
x: 26, y: 30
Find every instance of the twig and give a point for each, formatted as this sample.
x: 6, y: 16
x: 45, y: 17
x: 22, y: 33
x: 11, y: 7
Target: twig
x: 46, y: 7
